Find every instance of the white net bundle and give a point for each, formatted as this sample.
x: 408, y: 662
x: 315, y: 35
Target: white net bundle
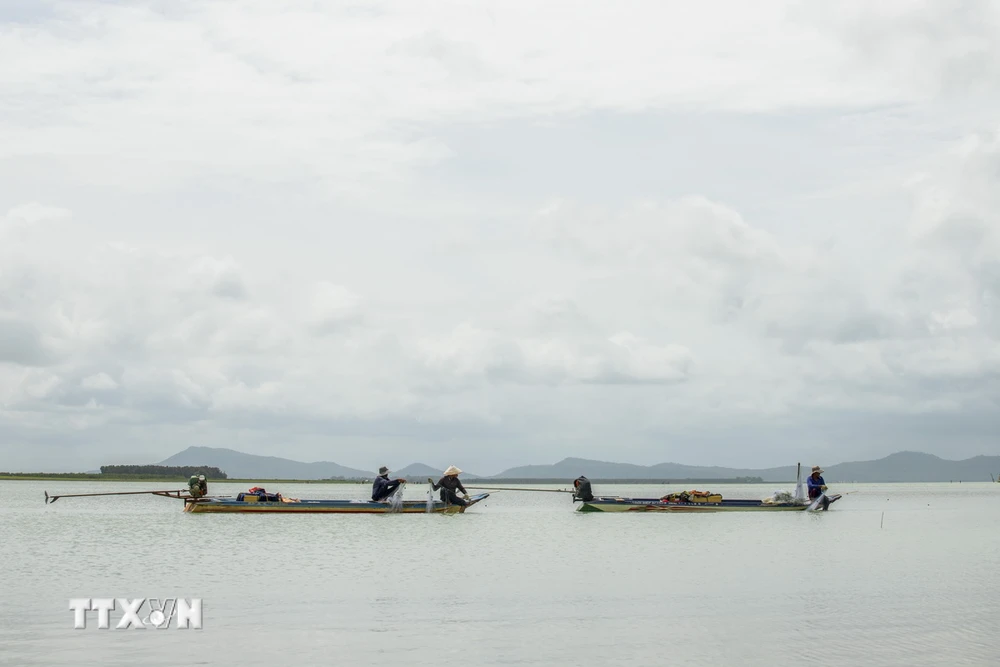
x: 396, y: 499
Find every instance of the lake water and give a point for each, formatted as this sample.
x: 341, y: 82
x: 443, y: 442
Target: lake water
x: 891, y: 575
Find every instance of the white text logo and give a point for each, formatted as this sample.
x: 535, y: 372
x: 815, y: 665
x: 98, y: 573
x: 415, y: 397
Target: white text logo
x: 140, y: 613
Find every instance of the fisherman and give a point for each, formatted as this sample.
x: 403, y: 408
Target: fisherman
x: 448, y: 485
x: 816, y: 483
x: 581, y: 489
x: 197, y: 486
x: 383, y: 487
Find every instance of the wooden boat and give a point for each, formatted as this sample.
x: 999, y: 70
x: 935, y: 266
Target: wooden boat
x: 704, y: 501
x: 252, y: 504
x: 275, y: 504
x: 617, y: 504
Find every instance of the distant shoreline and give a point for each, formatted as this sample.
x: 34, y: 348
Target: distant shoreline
x: 471, y: 481
x: 88, y: 477
x: 615, y: 480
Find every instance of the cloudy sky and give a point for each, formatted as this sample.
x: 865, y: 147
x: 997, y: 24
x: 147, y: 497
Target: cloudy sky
x: 498, y: 233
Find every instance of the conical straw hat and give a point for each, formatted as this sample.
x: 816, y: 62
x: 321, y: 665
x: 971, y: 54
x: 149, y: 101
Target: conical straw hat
x: 452, y: 470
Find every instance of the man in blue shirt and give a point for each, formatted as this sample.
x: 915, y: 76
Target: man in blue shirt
x: 815, y: 483
x: 383, y: 487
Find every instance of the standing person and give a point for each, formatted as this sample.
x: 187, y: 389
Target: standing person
x: 448, y: 484
x: 816, y: 483
x: 383, y: 487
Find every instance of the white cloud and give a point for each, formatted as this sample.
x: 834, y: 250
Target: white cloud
x: 280, y: 92
x: 332, y: 307
x: 33, y: 213
x: 99, y: 381
x: 648, y: 362
x: 278, y: 233
x: 953, y: 320
x: 471, y: 353
x: 21, y: 342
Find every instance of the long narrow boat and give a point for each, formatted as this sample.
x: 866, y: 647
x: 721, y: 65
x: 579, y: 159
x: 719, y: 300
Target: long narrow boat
x: 617, y: 504
x: 265, y: 503
x: 252, y: 504
x: 703, y: 501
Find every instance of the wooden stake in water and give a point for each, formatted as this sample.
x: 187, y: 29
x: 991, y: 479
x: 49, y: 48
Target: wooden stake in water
x: 882, y: 521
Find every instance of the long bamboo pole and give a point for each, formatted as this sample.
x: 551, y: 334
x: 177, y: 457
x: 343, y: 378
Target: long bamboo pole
x: 164, y: 492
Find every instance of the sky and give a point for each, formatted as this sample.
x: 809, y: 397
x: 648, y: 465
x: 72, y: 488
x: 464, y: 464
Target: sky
x: 495, y: 234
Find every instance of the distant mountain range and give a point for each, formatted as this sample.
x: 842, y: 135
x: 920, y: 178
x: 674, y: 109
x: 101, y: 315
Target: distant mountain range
x: 251, y: 466
x: 240, y: 465
x: 572, y: 467
x: 899, y: 467
x: 418, y: 471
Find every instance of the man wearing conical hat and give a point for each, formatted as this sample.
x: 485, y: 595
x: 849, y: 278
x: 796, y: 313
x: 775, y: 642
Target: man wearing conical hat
x: 815, y: 483
x: 448, y: 484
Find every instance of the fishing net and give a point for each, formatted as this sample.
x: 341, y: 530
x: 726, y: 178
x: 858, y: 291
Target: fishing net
x: 396, y: 499
x: 430, y: 499
x: 816, y: 503
x: 786, y: 498
x: 800, y: 491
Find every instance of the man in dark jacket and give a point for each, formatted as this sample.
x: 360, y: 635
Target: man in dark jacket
x: 448, y: 484
x: 581, y: 489
x: 383, y: 487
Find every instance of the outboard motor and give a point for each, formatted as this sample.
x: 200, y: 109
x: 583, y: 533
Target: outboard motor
x: 197, y: 487
x: 581, y: 489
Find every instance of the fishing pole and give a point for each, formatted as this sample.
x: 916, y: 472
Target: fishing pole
x: 166, y: 493
x: 52, y: 499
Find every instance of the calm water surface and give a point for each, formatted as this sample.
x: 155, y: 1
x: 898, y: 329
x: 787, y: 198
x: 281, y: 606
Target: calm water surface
x: 521, y: 579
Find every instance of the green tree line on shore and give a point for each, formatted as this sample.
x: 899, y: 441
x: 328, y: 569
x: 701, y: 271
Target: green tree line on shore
x: 211, y: 472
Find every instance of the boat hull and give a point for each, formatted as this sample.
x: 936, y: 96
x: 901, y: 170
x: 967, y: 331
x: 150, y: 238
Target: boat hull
x: 219, y: 505
x: 614, y: 504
